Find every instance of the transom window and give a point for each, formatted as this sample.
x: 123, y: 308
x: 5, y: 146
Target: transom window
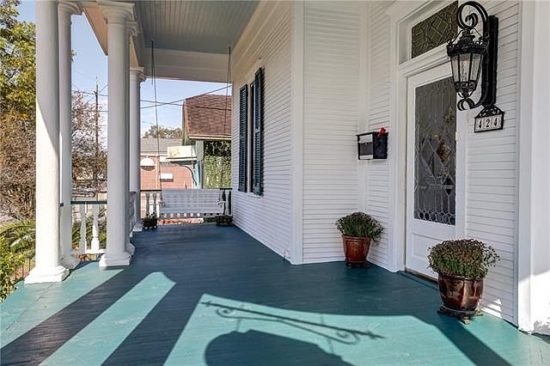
x: 436, y: 30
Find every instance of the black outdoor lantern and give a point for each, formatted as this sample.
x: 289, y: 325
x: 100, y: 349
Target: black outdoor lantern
x: 466, y: 56
x: 474, y: 55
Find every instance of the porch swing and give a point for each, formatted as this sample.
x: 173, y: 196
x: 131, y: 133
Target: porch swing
x: 181, y: 203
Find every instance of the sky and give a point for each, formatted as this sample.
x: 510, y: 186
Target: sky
x: 90, y: 66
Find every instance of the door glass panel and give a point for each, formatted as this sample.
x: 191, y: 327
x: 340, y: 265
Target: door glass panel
x: 435, y: 152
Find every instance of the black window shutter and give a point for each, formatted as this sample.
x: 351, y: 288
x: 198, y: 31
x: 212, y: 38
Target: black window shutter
x: 243, y: 127
x: 258, y: 132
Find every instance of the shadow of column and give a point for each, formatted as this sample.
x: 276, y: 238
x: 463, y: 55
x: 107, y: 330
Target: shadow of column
x: 52, y: 333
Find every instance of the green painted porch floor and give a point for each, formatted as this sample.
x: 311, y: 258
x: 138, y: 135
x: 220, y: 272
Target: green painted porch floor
x: 200, y: 294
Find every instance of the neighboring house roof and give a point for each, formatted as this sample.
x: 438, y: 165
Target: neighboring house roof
x: 207, y: 117
x: 149, y: 145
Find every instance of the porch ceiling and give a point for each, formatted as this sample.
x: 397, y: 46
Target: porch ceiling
x: 198, y: 26
x: 191, y: 38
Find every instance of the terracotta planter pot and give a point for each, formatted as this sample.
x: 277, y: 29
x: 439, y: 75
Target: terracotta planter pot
x: 460, y: 293
x: 356, y: 249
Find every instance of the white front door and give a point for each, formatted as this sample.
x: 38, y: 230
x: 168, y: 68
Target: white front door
x: 433, y: 189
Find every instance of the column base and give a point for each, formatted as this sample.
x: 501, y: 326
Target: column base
x: 70, y: 262
x: 137, y: 227
x: 55, y: 274
x: 542, y: 327
x: 108, y: 260
x: 130, y: 248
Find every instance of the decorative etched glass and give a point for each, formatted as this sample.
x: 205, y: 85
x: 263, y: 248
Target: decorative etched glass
x: 435, y: 152
x: 431, y: 32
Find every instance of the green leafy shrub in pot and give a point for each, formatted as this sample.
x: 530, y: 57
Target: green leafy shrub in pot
x: 358, y: 230
x: 150, y: 221
x: 467, y: 258
x: 360, y: 225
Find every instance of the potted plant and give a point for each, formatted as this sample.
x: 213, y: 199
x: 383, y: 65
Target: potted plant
x: 358, y: 230
x: 224, y: 220
x: 461, y: 265
x: 150, y: 221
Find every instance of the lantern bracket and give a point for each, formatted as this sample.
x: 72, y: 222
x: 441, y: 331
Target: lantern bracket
x: 489, y: 37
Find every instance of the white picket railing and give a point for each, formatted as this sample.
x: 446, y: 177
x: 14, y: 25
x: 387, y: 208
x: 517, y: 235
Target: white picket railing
x: 152, y: 202
x: 85, y: 211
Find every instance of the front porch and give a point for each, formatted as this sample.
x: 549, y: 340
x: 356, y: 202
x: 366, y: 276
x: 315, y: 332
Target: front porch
x: 201, y: 294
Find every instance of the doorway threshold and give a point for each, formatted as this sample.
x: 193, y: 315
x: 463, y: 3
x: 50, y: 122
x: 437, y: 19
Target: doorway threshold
x: 419, y: 278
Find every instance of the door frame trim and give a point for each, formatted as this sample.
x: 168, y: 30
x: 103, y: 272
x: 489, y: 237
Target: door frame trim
x: 399, y: 74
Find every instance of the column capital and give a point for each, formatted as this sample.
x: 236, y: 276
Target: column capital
x: 137, y: 73
x: 69, y: 7
x: 117, y: 12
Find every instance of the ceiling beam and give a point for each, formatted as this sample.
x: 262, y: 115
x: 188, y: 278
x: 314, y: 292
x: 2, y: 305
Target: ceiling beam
x: 186, y: 65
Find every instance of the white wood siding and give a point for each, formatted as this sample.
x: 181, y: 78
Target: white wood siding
x: 376, y: 177
x: 331, y: 113
x: 266, y: 42
x: 492, y: 170
x: 338, y: 103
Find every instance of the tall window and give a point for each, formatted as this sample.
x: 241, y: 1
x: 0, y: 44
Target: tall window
x: 243, y: 137
x: 251, y: 138
x: 251, y: 122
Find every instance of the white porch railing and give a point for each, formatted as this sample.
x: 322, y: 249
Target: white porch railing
x: 91, y: 217
x: 84, y: 213
x: 152, y: 202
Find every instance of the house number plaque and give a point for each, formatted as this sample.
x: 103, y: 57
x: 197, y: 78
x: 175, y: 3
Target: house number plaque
x: 489, y: 119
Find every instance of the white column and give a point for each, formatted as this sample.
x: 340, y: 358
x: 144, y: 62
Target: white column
x: 65, y: 10
x: 136, y: 77
x: 534, y: 197
x: 118, y: 17
x: 48, y: 268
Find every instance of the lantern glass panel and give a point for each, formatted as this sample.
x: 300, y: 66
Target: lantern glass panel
x: 475, y: 66
x: 454, y: 66
x: 465, y: 67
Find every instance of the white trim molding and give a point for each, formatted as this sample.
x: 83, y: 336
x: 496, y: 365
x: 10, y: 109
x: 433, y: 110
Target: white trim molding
x: 533, y: 303
x: 297, y: 252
